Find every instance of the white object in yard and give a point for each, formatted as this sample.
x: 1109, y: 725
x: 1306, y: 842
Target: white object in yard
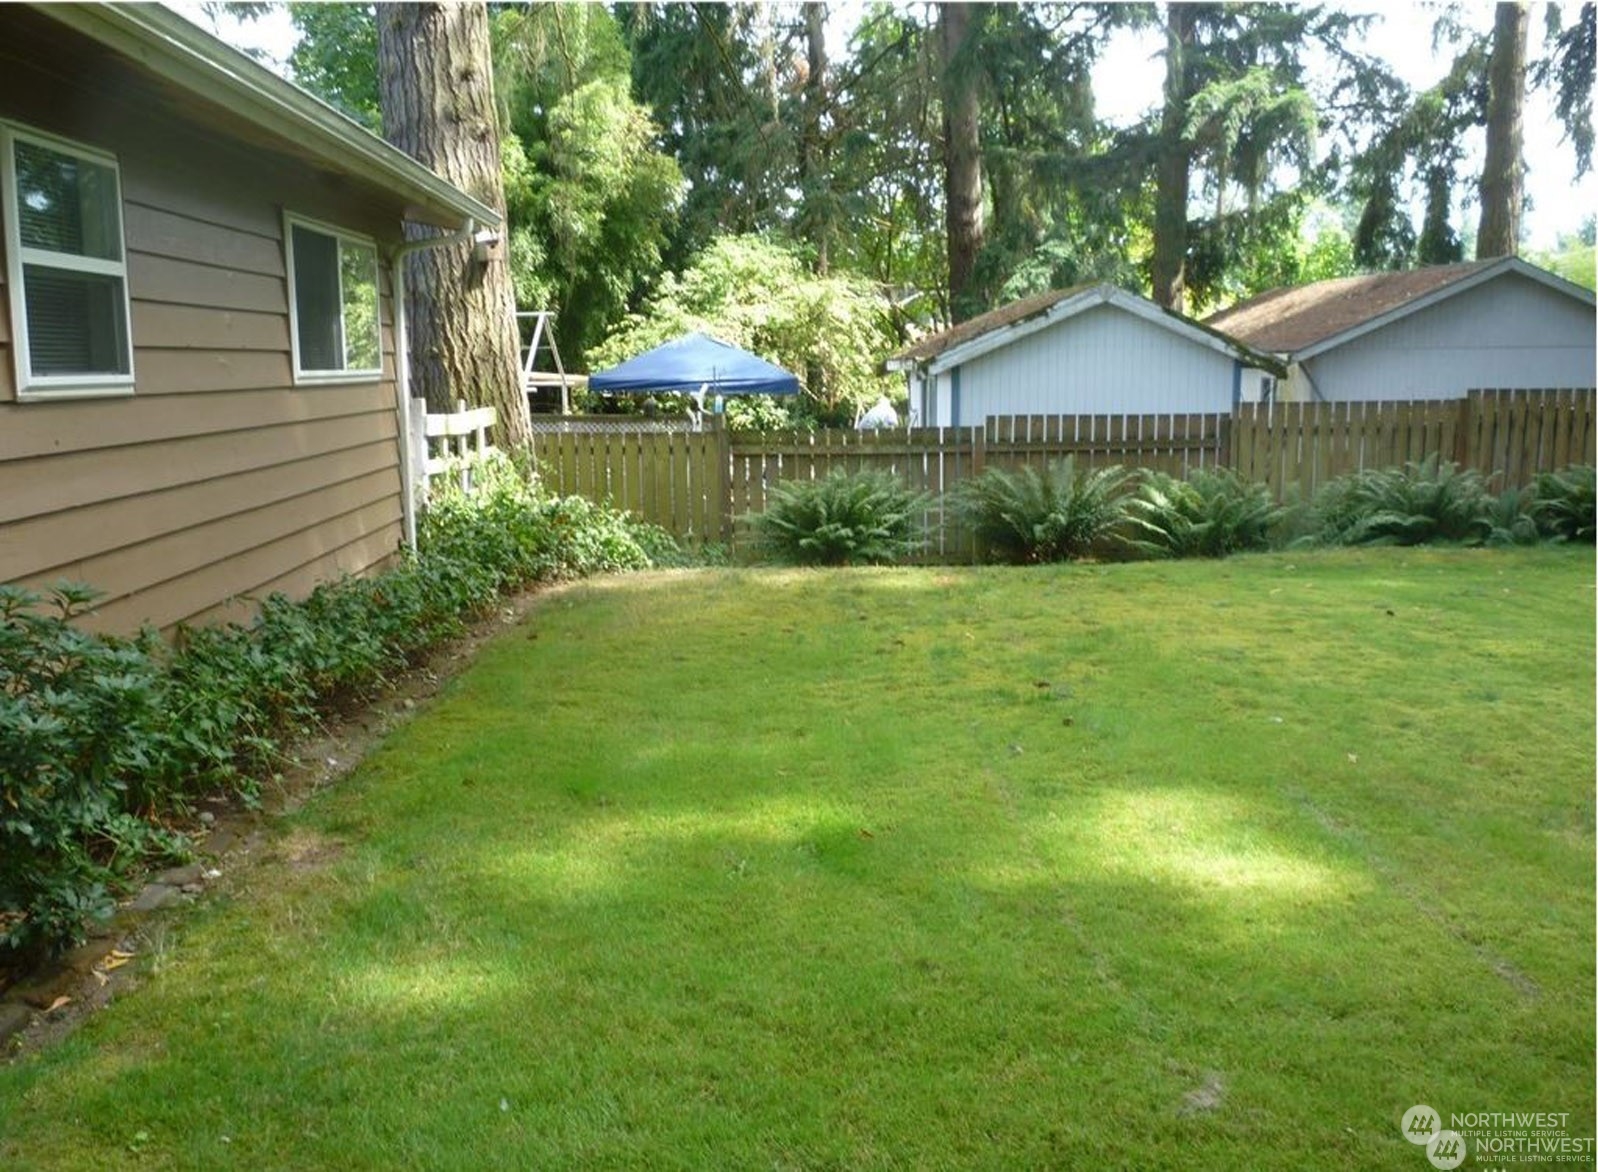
x: 881, y: 415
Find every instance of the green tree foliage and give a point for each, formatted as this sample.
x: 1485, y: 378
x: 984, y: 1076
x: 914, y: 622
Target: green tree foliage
x: 1572, y: 257
x: 1061, y: 211
x: 715, y: 77
x: 885, y: 166
x: 642, y: 134
x: 1250, y: 116
x: 590, y: 208
x: 1418, y: 154
x: 1568, y: 71
x: 336, y: 57
x: 590, y: 195
x: 754, y: 292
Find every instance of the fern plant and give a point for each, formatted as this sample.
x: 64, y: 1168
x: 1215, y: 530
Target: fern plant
x: 1425, y: 501
x: 1512, y: 520
x: 1211, y: 514
x: 861, y: 518
x: 1048, y: 515
x: 1564, y: 504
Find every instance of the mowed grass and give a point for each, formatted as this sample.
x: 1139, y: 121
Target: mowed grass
x: 1159, y: 865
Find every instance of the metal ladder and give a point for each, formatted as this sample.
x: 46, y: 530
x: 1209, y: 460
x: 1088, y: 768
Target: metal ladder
x: 533, y: 379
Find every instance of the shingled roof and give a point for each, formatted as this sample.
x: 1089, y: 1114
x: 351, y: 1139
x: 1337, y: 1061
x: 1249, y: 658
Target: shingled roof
x: 1000, y: 326
x: 1286, y: 321
x: 1006, y: 315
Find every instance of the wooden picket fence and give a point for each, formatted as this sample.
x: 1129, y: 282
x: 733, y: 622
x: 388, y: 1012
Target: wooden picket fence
x: 1506, y: 435
x: 704, y: 485
x: 448, y: 444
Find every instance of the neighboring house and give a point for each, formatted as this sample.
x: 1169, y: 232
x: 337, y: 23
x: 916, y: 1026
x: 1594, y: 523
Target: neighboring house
x: 199, y: 398
x: 1093, y: 349
x: 1432, y: 333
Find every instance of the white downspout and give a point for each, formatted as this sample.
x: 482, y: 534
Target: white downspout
x: 402, y: 364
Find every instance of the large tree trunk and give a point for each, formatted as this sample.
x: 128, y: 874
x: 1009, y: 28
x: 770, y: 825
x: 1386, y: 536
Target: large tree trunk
x: 1171, y: 177
x: 962, y: 156
x: 812, y: 155
x: 1499, y: 233
x: 436, y: 84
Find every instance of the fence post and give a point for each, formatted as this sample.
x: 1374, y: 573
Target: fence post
x: 418, y: 454
x: 1464, y: 438
x: 979, y: 448
x: 724, y: 464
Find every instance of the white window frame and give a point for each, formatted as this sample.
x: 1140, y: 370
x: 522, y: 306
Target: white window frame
x: 57, y: 386
x: 303, y: 377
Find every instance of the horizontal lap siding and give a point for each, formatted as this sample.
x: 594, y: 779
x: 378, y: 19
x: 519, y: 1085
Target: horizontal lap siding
x: 1509, y: 332
x: 1104, y: 359
x: 218, y: 481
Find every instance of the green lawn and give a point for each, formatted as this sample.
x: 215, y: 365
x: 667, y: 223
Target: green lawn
x: 1158, y: 865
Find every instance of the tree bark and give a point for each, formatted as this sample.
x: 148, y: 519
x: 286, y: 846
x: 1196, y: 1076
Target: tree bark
x: 812, y: 155
x: 1172, y: 174
x: 1499, y: 231
x: 962, y: 156
x: 436, y: 87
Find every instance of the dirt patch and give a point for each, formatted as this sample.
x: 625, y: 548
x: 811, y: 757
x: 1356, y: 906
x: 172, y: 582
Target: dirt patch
x: 41, y: 1006
x: 1206, y: 1097
x: 305, y: 850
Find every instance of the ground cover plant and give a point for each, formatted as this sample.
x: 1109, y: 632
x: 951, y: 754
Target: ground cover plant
x: 107, y: 738
x: 1166, y: 864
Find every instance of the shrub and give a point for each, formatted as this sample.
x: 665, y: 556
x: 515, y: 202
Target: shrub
x: 77, y: 710
x: 843, y: 519
x: 1563, y: 506
x: 104, y: 735
x: 1212, y: 513
x: 505, y: 533
x: 1419, y: 503
x: 1052, y: 515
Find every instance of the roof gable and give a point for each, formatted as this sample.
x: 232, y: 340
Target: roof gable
x: 1304, y: 320
x: 1019, y: 319
x: 181, y: 53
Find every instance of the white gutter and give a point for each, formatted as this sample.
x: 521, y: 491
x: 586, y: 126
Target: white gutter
x: 402, y: 363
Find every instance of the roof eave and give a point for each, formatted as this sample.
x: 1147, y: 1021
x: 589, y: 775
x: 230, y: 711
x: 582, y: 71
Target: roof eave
x: 1009, y: 332
x: 180, y: 52
x: 1508, y: 264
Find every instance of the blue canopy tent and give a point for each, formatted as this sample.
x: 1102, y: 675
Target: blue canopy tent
x: 691, y: 364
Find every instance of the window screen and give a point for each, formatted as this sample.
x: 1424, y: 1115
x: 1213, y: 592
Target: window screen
x: 65, y: 227
x: 316, y: 300
x: 337, y: 329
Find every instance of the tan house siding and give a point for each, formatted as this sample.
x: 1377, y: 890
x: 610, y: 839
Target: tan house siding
x: 218, y: 479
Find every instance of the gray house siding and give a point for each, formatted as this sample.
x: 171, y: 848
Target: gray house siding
x: 1101, y: 361
x: 1507, y: 332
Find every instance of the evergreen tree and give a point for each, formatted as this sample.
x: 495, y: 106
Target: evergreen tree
x: 1502, y: 173
x: 436, y: 79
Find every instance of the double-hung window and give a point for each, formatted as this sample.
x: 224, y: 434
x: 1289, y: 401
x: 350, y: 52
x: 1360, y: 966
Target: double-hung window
x: 333, y: 303
x: 66, y: 267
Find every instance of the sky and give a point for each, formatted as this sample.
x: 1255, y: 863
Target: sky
x: 1130, y: 74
